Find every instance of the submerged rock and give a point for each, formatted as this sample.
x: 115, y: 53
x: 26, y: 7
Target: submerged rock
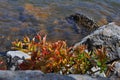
x: 82, y: 24
x: 83, y: 20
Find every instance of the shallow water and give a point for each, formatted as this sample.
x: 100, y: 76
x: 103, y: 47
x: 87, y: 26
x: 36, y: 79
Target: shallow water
x: 27, y: 17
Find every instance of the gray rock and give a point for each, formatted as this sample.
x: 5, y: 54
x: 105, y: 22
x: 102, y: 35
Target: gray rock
x: 87, y: 77
x: 19, y: 54
x: 107, y: 36
x: 98, y: 73
x: 117, y: 68
x: 116, y: 74
x: 14, y: 58
x: 38, y: 75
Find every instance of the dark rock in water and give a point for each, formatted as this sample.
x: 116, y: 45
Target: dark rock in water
x: 81, y: 23
x: 80, y: 19
x: 107, y: 36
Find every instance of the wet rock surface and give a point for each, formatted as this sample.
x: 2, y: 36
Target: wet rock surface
x: 82, y: 24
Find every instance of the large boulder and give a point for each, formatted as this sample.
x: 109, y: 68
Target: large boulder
x: 107, y: 36
x: 38, y: 75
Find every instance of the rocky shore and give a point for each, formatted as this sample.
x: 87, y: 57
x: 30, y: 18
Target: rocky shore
x: 107, y: 36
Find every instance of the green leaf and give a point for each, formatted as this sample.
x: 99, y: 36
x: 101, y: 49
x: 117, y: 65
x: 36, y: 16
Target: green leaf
x: 99, y: 63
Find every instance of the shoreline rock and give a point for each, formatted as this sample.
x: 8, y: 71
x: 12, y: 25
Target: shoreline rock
x: 107, y: 36
x: 38, y: 75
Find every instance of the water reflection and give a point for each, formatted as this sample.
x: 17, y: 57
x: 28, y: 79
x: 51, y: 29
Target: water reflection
x: 27, y: 17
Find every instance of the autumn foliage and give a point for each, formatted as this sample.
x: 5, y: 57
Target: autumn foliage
x: 57, y: 57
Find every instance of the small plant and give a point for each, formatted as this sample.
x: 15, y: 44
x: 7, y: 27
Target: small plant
x: 3, y: 65
x: 101, y: 58
x: 81, y: 60
x: 57, y: 57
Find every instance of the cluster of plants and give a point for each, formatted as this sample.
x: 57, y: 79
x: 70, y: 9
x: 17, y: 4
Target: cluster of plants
x: 57, y: 57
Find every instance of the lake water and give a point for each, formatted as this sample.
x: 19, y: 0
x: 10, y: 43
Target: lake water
x: 27, y: 17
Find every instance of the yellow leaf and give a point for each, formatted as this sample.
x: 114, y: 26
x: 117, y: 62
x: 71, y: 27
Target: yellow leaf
x: 26, y: 39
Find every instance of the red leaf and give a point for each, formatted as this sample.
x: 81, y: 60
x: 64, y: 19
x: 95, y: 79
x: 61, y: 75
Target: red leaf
x: 26, y: 65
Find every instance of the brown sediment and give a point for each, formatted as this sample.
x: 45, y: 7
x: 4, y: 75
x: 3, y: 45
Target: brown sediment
x: 37, y: 12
